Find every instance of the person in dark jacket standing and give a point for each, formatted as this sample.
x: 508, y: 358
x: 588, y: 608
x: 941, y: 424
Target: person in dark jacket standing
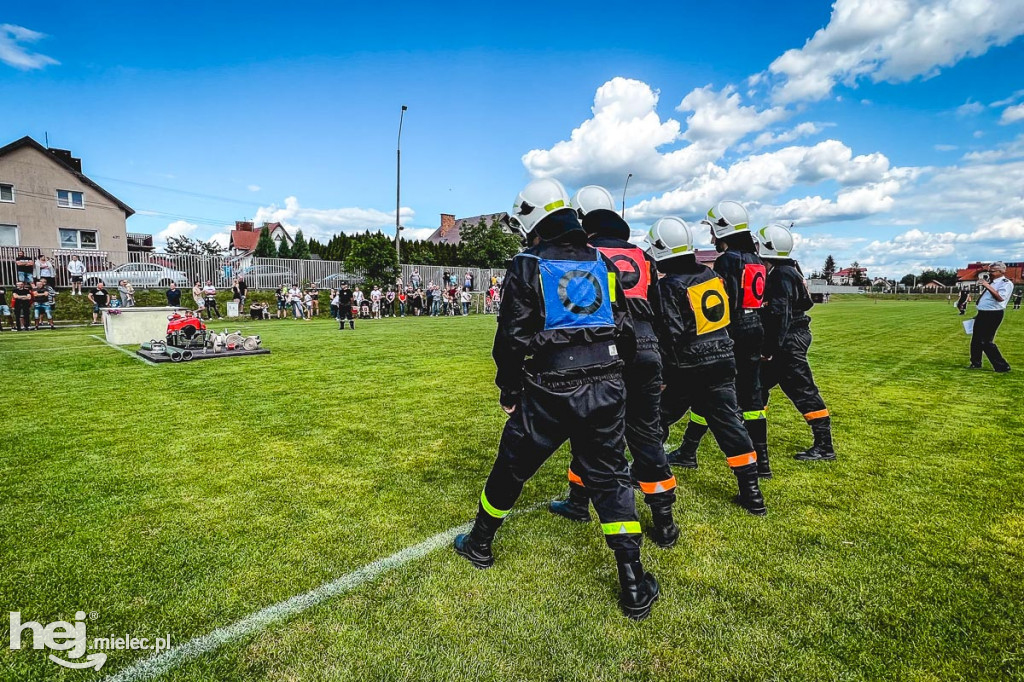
x: 692, y: 322
x: 345, y: 307
x: 173, y: 295
x: 744, y: 275
x: 563, y: 326
x: 787, y: 336
x: 637, y: 274
x: 961, y: 302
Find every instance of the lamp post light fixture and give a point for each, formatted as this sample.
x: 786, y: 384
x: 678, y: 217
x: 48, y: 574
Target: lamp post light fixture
x: 398, y: 189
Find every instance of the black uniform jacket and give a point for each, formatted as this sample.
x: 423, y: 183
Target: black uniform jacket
x: 521, y: 333
x: 681, y: 347
x: 786, y: 303
x: 730, y: 266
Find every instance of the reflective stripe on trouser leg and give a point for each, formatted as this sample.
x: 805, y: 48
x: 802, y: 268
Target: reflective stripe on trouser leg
x: 697, y: 419
x: 742, y: 460
x: 817, y: 414
x: 658, y: 486
x: 621, y: 528
x: 490, y: 509
x: 574, y: 479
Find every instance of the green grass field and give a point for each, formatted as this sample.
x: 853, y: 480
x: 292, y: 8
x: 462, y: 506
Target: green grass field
x: 183, y: 498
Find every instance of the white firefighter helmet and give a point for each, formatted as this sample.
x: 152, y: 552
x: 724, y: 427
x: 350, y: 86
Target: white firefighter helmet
x: 728, y: 217
x: 536, y: 201
x: 592, y: 198
x: 669, y: 237
x: 776, y: 241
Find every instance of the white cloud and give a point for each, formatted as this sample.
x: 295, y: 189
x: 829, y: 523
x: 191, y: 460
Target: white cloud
x: 946, y: 147
x: 253, y: 188
x: 179, y: 228
x: 1008, y: 100
x: 320, y: 223
x: 1003, y: 239
x: 893, y: 40
x: 222, y: 238
x: 765, y: 176
x: 849, y: 204
x: 625, y: 134
x: 969, y: 108
x: 13, y: 51
x: 1012, y: 114
x: 417, y: 233
x: 769, y: 139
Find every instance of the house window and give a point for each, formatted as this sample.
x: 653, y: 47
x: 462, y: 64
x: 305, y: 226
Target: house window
x: 6, y: 193
x: 67, y: 198
x: 8, y: 235
x: 77, y: 239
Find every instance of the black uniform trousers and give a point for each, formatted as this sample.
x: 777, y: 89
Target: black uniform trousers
x: 643, y: 428
x: 710, y: 391
x: 747, y: 336
x: 345, y: 313
x: 982, y: 339
x: 22, y: 313
x: 788, y: 369
x: 589, y: 412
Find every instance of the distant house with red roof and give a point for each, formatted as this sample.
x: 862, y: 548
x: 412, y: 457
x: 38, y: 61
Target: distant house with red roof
x: 450, y: 230
x: 968, y: 277
x: 244, y: 237
x: 850, y: 276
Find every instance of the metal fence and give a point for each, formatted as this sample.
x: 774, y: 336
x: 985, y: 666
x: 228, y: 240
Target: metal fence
x: 147, y: 270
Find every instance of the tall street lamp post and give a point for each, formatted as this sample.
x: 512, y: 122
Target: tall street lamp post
x: 624, y: 194
x: 398, y: 189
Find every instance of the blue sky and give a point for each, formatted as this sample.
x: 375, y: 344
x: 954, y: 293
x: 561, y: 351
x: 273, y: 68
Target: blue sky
x: 888, y: 131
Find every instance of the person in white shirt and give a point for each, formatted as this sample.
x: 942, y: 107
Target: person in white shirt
x: 991, y: 307
x: 466, y: 299
x: 295, y: 300
x: 375, y: 303
x: 210, y: 301
x: 307, y: 306
x: 76, y: 268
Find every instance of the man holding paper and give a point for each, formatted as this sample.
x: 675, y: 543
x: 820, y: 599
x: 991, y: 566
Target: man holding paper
x: 991, y: 306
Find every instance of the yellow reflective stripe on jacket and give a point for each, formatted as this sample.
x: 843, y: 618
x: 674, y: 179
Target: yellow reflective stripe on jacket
x: 755, y: 414
x: 697, y: 419
x: 611, y: 285
x: 621, y: 527
x: 493, y: 511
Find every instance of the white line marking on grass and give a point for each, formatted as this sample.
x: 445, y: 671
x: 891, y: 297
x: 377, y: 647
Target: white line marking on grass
x: 39, y: 350
x: 161, y: 663
x: 124, y: 350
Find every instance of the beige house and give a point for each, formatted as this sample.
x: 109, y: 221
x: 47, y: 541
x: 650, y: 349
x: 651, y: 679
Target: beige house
x: 47, y: 203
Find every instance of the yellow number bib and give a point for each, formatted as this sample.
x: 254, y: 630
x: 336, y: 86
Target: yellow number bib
x: 710, y: 305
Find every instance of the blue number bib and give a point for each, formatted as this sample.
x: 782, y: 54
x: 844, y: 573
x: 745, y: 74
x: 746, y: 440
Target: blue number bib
x: 576, y: 294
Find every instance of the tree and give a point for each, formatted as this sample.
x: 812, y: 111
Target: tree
x: 487, y: 246
x: 857, y: 277
x: 194, y: 247
x: 908, y: 280
x: 265, y: 246
x: 375, y: 255
x: 829, y: 270
x: 283, y: 250
x: 300, y: 249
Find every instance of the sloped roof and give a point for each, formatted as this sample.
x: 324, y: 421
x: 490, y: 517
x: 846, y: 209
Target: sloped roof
x: 244, y: 240
x: 453, y: 234
x: 29, y: 142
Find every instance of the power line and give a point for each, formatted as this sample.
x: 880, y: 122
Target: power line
x: 178, y: 191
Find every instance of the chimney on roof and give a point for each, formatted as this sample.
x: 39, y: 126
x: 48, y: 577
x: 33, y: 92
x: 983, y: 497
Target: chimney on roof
x: 65, y: 157
x: 447, y: 223
x: 244, y: 225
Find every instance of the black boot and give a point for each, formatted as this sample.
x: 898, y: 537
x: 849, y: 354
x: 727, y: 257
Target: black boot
x: 639, y: 590
x: 665, y: 531
x: 475, y: 546
x: 822, y: 449
x: 750, y: 497
x: 686, y: 454
x: 764, y: 468
x: 576, y: 507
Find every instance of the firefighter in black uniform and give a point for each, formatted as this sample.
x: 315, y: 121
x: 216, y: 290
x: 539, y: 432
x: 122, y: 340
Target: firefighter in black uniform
x: 744, y: 275
x: 345, y: 307
x: 692, y: 321
x: 563, y: 326
x: 787, y: 336
x: 638, y: 276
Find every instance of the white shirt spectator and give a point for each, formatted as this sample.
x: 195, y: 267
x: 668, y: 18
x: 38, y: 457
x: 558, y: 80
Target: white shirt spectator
x: 76, y: 268
x: 989, y: 302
